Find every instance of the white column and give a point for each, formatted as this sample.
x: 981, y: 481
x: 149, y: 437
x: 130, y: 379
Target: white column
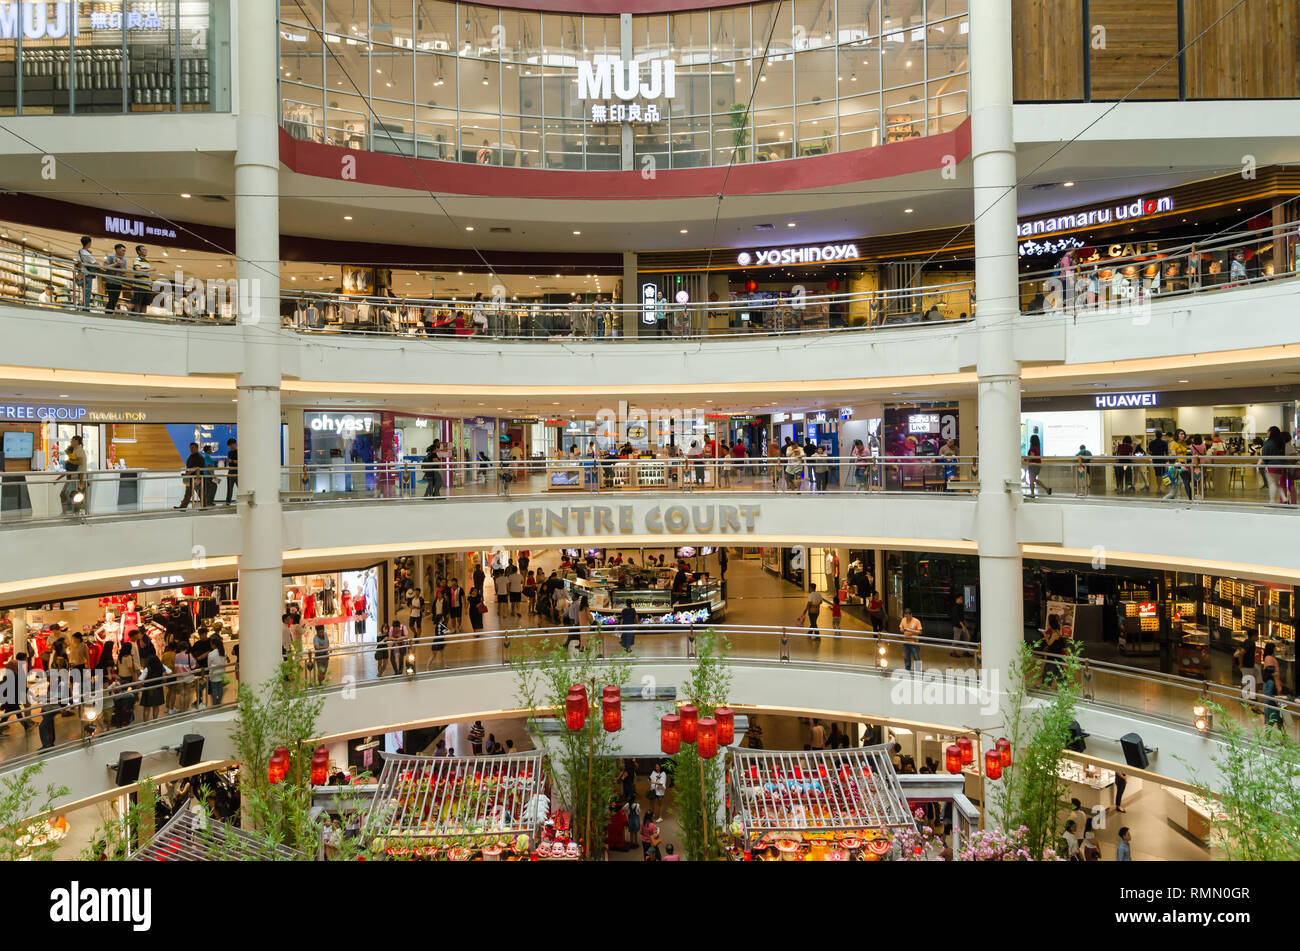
x: 994, y: 159
x: 18, y: 617
x: 257, y: 231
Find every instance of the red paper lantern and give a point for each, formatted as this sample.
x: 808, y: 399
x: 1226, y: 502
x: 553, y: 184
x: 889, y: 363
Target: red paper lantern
x: 753, y: 772
x: 278, y: 767
x: 1003, y: 747
x: 833, y: 284
x: 707, y: 743
x: 670, y: 734
x: 952, y: 758
x: 690, y: 715
x: 611, y: 691
x: 751, y: 286
x: 726, y: 718
x: 575, y: 711
x: 993, y: 764
x: 967, y: 750
x: 581, y: 690
x: 611, y: 714
x: 320, y: 763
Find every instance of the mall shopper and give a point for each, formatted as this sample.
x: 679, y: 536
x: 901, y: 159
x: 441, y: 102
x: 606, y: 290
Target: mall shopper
x: 649, y: 836
x: 84, y: 273
x: 217, y: 669
x: 910, y: 628
x: 193, y: 477
x: 395, y: 641
x: 75, y: 480
x: 1272, y: 457
x: 876, y: 613
x: 960, y: 632
x: 1158, y: 450
x: 415, y: 610
x: 501, y: 587
x: 1123, y: 467
x: 140, y: 269
x: 455, y: 605
x: 1121, y: 783
x: 1034, y: 463
x: 1077, y: 814
x: 1124, y: 850
x: 320, y: 646
x: 1070, y: 841
x: 1082, y: 471
x: 153, y: 694
x: 821, y: 469
x: 1089, y: 847
x: 1179, y: 470
x: 209, y: 477
x: 476, y: 607
x: 182, y: 696
x: 1272, y: 709
x: 476, y: 738
x: 658, y: 785
x: 232, y: 469
x: 514, y: 588
x: 114, y: 275
x: 811, y: 609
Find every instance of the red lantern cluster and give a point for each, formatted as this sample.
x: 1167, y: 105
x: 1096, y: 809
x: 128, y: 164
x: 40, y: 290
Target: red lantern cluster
x: 707, y: 738
x: 1003, y: 747
x: 670, y: 734
x: 320, y: 764
x: 690, y: 715
x: 952, y: 758
x: 993, y: 764
x: 611, y: 711
x: 726, y: 718
x: 575, y: 710
x: 278, y: 766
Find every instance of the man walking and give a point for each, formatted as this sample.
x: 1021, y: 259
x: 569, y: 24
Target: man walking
x: 193, y: 476
x: 232, y: 469
x: 910, y: 627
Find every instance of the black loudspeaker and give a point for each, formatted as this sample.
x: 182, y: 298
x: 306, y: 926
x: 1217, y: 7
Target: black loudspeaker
x: 1077, y: 737
x: 191, y: 751
x: 128, y: 768
x: 1135, y: 751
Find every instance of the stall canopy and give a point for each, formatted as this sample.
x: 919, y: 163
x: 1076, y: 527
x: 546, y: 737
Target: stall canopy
x: 816, y: 791
x: 432, y: 797
x: 191, y: 836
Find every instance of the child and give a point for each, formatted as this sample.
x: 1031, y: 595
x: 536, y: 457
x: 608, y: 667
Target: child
x: 836, y: 612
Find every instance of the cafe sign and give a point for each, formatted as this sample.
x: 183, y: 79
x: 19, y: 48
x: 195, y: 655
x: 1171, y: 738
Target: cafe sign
x: 588, y: 520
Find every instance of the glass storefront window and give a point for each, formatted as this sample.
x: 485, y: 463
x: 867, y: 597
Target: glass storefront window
x: 763, y: 82
x: 117, y: 56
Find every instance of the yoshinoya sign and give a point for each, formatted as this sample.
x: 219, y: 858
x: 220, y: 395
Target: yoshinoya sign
x: 588, y: 520
x: 613, y: 86
x: 811, y: 254
x: 52, y: 21
x: 1093, y: 217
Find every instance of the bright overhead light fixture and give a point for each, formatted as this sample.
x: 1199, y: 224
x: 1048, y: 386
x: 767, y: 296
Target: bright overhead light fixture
x: 907, y: 211
x: 186, y: 195
x: 347, y: 217
x: 1069, y: 184
x: 469, y: 227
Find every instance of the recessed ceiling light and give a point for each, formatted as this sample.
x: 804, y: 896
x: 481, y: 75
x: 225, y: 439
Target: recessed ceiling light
x: 469, y: 227
x: 185, y: 195
x: 1069, y: 184
x: 577, y: 232
x: 907, y: 211
x: 790, y: 224
x: 683, y: 231
x: 1182, y: 381
x: 347, y: 217
x: 63, y: 396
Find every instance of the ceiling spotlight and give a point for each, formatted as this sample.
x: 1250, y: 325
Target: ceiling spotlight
x: 347, y: 217
x: 577, y: 232
x: 469, y: 227
x: 186, y: 195
x: 907, y: 211
x: 790, y: 224
x: 485, y: 79
x: 1069, y: 184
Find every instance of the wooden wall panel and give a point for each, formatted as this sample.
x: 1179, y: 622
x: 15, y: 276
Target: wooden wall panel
x: 1047, y: 58
x: 1251, y: 53
x: 1139, y: 39
x: 152, y: 449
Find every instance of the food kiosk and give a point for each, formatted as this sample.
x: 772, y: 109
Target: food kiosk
x: 817, y: 805
x: 465, y: 808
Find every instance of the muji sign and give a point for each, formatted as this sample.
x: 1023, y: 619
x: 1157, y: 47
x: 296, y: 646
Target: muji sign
x: 52, y: 21
x: 612, y: 78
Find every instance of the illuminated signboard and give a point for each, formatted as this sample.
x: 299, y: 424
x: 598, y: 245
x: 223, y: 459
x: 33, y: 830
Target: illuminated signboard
x: 811, y: 254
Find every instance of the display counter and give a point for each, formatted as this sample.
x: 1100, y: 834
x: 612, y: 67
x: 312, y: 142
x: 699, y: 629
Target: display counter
x: 1191, y: 813
x: 1193, y: 649
x: 1091, y: 785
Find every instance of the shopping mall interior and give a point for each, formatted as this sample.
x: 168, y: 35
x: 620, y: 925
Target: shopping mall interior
x: 863, y: 396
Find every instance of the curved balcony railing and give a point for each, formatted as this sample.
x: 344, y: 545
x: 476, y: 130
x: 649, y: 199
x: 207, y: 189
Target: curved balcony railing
x: 1105, y: 285
x: 1243, y: 481
x: 45, y: 496
x: 353, y: 662
x: 1193, y: 479
x: 1084, y: 284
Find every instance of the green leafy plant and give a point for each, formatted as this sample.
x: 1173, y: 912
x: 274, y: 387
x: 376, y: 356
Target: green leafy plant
x: 1258, y: 786
x: 584, y: 767
x: 707, y: 687
x: 740, y: 131
x: 22, y: 810
x: 1032, y: 790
